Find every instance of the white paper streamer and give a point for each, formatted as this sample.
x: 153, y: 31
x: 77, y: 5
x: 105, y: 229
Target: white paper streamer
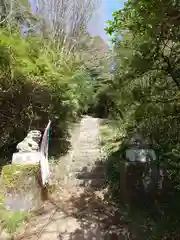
x: 44, y: 164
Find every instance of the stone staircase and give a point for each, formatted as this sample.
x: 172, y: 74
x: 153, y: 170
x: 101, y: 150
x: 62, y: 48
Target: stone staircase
x: 81, y: 212
x: 86, y: 166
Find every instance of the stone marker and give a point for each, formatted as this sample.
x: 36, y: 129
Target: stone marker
x: 20, y: 181
x: 140, y: 155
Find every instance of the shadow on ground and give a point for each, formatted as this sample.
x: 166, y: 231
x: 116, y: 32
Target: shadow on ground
x: 95, y: 212
x: 88, y: 213
x: 98, y: 215
x: 152, y: 216
x: 102, y: 214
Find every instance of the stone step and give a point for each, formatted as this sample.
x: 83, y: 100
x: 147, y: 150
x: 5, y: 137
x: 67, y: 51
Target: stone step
x: 87, y: 149
x: 75, y: 182
x: 88, y: 162
x: 93, y: 183
x: 85, y: 155
x: 82, y: 163
x: 86, y: 175
x: 99, y: 166
x: 90, y: 175
x: 85, y: 168
x: 88, y: 169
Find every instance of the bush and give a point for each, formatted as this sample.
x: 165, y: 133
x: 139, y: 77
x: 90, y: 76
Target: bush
x: 37, y: 83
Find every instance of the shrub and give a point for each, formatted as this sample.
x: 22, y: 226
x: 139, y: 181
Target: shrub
x: 38, y: 83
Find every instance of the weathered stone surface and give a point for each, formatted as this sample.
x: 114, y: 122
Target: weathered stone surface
x: 86, y: 153
x: 134, y: 154
x: 20, y: 187
x: 19, y: 181
x: 31, y: 142
x: 26, y: 158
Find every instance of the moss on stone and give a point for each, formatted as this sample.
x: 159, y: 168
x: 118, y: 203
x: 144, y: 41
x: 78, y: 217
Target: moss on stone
x: 13, y: 174
x: 2, y: 198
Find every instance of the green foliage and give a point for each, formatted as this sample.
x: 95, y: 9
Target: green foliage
x: 146, y: 83
x: 12, y: 220
x: 146, y: 87
x: 42, y: 79
x: 97, y: 57
x: 37, y: 83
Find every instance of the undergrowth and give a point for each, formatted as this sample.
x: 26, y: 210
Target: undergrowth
x: 151, y: 220
x: 12, y: 220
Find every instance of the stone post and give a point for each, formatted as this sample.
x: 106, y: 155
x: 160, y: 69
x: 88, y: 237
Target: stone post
x: 20, y: 180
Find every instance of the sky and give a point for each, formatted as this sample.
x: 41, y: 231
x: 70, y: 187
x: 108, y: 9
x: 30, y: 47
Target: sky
x: 103, y: 14
x: 110, y: 6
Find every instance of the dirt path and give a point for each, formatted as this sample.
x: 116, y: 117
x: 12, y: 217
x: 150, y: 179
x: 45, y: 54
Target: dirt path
x: 80, y: 208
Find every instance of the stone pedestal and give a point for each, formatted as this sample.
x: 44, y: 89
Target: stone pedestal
x: 24, y: 158
x: 20, y: 187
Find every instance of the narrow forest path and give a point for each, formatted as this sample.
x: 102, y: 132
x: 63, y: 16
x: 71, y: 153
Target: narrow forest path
x: 80, y: 208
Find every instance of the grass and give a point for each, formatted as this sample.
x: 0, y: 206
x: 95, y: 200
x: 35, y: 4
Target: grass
x: 12, y: 176
x: 12, y: 220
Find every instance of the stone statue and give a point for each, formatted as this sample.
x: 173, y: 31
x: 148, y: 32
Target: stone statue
x: 30, y: 143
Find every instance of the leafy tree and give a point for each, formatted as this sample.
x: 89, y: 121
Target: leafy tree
x: 13, y: 13
x: 147, y: 55
x: 146, y: 84
x: 43, y: 77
